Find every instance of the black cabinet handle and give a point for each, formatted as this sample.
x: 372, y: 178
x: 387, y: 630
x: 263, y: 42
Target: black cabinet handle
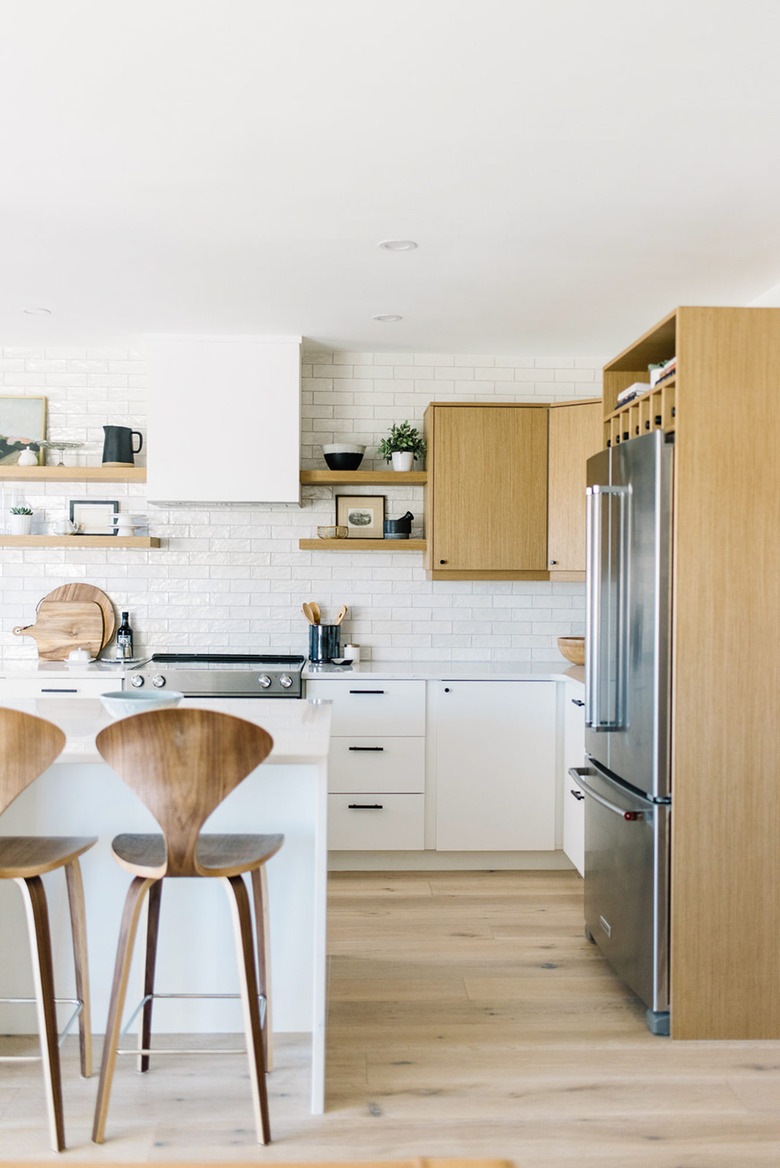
x: 578, y: 795
x: 376, y: 748
x: 442, y: 561
x: 365, y: 807
x: 55, y: 689
x: 577, y: 702
x: 366, y: 691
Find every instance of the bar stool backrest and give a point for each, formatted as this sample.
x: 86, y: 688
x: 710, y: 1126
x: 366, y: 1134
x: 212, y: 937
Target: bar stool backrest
x: 182, y: 763
x: 28, y: 745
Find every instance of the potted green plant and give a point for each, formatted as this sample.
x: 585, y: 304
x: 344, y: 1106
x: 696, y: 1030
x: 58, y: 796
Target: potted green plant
x: 21, y: 520
x: 402, y: 446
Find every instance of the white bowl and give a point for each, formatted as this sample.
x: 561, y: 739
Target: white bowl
x: 343, y: 448
x: 123, y: 703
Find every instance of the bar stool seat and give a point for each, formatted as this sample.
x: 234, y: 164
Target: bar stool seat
x: 182, y: 763
x: 28, y: 746
x: 218, y: 855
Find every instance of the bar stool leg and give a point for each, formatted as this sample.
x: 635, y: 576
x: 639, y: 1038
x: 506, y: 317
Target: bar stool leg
x: 152, y: 931
x: 124, y: 954
x: 43, y: 975
x: 245, y: 951
x: 78, y: 924
x: 260, y: 894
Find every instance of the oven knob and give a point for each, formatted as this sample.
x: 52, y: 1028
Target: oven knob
x: 136, y: 680
x: 158, y: 680
x: 285, y: 681
x: 264, y: 681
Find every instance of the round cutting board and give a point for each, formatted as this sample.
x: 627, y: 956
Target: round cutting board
x: 62, y: 627
x: 84, y: 594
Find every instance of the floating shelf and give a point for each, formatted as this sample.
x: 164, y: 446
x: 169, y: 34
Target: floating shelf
x: 75, y: 474
x: 355, y: 478
x: 362, y: 545
x: 112, y: 541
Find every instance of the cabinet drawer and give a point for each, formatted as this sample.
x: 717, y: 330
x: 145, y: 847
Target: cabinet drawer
x: 76, y: 687
x: 371, y: 822
x: 377, y: 764
x: 363, y: 707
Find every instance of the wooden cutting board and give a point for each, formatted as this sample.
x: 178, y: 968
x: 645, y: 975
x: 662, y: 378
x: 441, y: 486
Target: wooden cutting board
x: 86, y: 593
x: 61, y: 627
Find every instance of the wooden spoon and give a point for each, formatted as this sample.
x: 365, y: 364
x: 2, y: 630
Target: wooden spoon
x: 307, y: 612
x: 315, y: 611
x: 341, y: 614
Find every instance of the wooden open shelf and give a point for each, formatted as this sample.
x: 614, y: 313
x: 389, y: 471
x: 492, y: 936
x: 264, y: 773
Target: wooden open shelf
x: 75, y: 474
x: 112, y: 541
x: 367, y: 478
x: 362, y: 545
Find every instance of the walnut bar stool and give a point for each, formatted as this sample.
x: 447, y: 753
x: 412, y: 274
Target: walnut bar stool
x: 28, y: 745
x: 182, y: 763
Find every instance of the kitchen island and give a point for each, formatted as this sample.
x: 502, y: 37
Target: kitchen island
x: 81, y: 795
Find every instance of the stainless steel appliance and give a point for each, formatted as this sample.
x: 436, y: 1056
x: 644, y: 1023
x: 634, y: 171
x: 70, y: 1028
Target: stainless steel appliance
x: 627, y: 782
x: 238, y: 675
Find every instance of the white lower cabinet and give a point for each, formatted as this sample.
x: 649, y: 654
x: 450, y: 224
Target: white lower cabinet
x: 573, y: 799
x: 494, y: 745
x: 376, y: 766
x: 12, y: 688
x: 376, y: 822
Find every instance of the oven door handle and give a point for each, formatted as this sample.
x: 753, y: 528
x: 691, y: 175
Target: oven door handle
x: 579, y: 773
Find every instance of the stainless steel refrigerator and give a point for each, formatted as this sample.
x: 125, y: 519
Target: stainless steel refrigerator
x: 627, y: 780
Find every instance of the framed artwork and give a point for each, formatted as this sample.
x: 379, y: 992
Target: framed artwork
x: 22, y: 427
x: 93, y: 516
x: 362, y: 515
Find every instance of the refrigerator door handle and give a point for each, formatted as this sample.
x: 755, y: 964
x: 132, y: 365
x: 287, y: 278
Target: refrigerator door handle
x: 579, y: 773
x: 605, y: 628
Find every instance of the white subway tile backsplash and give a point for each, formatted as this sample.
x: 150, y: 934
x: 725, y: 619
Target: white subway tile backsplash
x: 233, y: 576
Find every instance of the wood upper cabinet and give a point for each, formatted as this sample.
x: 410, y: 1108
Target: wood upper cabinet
x: 575, y: 434
x: 486, y: 497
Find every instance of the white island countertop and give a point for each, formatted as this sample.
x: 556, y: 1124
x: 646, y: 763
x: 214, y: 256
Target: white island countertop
x: 300, y: 729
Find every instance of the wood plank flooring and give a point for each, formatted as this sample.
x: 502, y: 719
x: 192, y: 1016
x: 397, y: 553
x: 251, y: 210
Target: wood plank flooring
x: 468, y: 1017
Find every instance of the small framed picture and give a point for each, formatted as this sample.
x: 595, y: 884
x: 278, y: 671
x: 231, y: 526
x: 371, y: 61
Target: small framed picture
x: 362, y: 515
x: 94, y: 516
x: 22, y: 427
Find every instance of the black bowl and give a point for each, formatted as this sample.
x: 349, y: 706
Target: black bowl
x: 343, y: 461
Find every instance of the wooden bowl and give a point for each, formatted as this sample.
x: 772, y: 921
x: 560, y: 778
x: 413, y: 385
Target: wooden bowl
x: 573, y: 649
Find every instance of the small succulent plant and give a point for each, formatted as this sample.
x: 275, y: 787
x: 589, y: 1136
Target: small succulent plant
x: 21, y: 510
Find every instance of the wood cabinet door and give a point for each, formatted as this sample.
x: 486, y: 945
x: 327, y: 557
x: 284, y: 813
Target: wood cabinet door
x: 575, y: 434
x: 494, y: 744
x: 489, y: 488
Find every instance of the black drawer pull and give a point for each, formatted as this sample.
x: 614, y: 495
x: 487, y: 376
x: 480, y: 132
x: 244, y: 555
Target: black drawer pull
x: 577, y: 702
x: 367, y: 691
x: 578, y: 795
x: 377, y: 748
x: 365, y: 807
x: 54, y: 689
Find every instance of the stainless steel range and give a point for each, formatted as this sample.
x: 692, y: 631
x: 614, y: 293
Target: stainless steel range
x: 238, y: 675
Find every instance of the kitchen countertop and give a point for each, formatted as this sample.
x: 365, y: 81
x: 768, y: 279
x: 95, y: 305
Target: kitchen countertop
x: 38, y: 668
x: 559, y: 670
x: 300, y: 729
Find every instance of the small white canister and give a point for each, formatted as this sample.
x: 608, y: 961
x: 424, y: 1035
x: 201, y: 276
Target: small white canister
x: 351, y: 653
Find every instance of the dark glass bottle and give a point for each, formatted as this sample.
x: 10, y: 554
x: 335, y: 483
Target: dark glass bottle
x: 124, y: 639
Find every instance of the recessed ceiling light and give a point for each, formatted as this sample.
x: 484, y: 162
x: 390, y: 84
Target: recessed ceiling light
x: 387, y: 317
x: 37, y: 311
x: 398, y: 244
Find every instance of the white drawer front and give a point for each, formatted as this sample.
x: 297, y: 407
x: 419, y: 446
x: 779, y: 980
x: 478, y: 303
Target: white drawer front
x: 77, y: 687
x: 368, y: 822
x: 377, y: 764
x: 362, y: 706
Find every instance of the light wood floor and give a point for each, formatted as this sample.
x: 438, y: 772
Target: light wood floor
x: 468, y: 1017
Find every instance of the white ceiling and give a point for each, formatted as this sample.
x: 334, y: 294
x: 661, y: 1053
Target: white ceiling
x: 571, y: 170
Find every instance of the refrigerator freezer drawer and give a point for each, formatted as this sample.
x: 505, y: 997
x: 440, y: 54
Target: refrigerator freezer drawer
x: 627, y: 883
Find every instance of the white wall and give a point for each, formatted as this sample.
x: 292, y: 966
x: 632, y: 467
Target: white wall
x: 232, y: 577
